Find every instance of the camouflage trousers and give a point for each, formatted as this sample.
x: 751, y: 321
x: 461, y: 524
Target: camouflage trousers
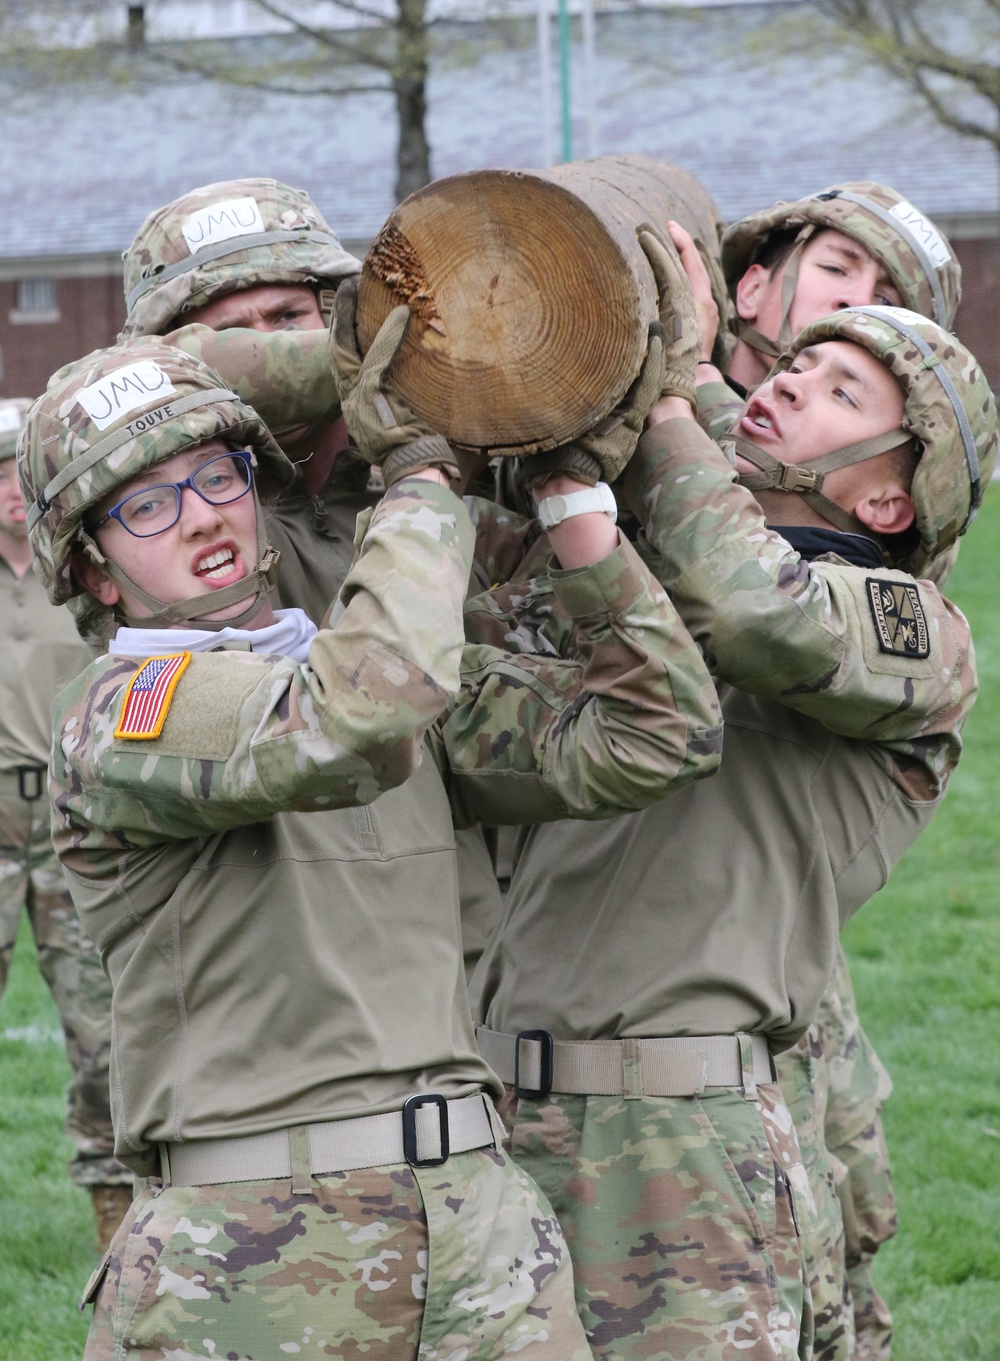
x: 463, y: 1262
x: 680, y: 1220
x: 835, y: 1086
x: 859, y: 1087
x: 30, y: 878
x: 802, y: 1073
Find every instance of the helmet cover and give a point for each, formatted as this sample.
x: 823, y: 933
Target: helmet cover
x: 111, y: 416
x: 916, y: 253
x: 12, y: 413
x: 221, y: 238
x: 949, y: 410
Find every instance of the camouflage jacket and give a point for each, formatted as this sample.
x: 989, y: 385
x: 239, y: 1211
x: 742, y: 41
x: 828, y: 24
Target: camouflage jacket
x: 272, y: 877
x: 843, y: 692
x: 42, y: 651
x: 718, y: 408
x: 285, y: 376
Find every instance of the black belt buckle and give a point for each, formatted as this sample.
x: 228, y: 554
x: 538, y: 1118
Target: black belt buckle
x: 38, y: 774
x: 545, y: 1040
x: 410, y: 1109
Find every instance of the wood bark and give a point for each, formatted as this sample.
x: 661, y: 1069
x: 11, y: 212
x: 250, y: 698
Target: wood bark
x: 530, y: 294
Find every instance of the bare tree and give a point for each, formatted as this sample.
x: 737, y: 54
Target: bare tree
x: 382, y: 48
x: 947, y: 51
x: 383, y: 53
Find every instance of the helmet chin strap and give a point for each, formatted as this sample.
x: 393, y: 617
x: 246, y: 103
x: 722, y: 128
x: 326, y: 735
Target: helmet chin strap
x: 789, y: 282
x: 256, y: 585
x: 806, y: 479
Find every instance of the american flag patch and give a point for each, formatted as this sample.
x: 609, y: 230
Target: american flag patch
x: 148, y: 695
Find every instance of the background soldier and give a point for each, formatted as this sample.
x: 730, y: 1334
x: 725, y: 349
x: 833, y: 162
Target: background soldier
x: 41, y: 652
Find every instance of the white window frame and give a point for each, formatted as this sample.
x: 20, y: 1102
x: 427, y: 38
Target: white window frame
x: 36, y: 302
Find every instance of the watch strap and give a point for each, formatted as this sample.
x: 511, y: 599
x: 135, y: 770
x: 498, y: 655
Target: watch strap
x: 599, y: 499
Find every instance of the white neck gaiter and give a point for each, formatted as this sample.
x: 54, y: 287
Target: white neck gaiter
x: 289, y: 636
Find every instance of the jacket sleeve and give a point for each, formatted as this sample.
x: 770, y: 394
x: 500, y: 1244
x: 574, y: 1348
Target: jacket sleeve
x: 718, y: 408
x: 503, y: 540
x: 248, y: 736
x: 285, y: 376
x: 629, y: 716
x: 872, y: 654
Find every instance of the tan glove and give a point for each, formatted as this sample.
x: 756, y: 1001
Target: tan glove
x: 601, y: 453
x: 383, y: 428
x: 677, y: 313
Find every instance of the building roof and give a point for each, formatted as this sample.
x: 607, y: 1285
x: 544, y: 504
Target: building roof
x: 83, y: 165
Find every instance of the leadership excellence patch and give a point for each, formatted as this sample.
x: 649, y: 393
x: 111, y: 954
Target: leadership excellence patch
x: 899, y: 618
x: 148, y: 696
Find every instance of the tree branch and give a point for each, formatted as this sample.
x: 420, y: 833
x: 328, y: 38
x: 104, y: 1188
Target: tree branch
x: 893, y: 33
x: 319, y: 35
x: 243, y: 79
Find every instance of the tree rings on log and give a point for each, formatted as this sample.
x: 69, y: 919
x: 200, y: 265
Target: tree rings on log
x: 531, y: 297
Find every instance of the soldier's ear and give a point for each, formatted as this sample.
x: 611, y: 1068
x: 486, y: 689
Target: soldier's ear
x: 93, y: 578
x: 749, y: 291
x: 887, y: 510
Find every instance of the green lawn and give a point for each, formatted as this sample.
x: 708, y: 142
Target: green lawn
x: 926, y: 956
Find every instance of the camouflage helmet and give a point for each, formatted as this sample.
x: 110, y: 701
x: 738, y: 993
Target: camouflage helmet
x: 916, y: 253
x: 949, y: 414
x: 111, y: 416
x: 225, y: 237
x: 12, y: 413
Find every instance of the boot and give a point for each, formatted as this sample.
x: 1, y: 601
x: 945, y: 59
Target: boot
x: 110, y: 1206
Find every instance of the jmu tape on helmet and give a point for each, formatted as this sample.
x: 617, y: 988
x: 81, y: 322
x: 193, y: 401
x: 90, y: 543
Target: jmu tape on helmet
x: 111, y: 417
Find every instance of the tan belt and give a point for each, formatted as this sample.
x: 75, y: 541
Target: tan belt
x: 25, y: 782
x: 684, y: 1065
x: 424, y: 1134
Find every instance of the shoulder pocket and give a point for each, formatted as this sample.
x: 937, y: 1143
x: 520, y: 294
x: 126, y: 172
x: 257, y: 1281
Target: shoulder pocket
x: 203, y: 718
x: 898, y: 635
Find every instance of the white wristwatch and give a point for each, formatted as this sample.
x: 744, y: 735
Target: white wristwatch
x: 599, y: 499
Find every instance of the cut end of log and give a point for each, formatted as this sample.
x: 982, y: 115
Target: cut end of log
x: 530, y: 294
x: 394, y: 262
x: 531, y: 316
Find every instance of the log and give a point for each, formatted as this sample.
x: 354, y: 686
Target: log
x: 531, y: 297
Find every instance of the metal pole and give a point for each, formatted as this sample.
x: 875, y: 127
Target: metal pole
x: 588, y: 75
x: 545, y: 72
x: 567, y: 124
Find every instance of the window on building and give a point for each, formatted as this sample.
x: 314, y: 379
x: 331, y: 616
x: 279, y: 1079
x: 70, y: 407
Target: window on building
x: 36, y: 301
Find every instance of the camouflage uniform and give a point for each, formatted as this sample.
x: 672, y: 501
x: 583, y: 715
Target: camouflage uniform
x: 272, y: 878
x: 42, y: 652
x: 927, y: 276
x: 314, y: 533
x: 717, y: 912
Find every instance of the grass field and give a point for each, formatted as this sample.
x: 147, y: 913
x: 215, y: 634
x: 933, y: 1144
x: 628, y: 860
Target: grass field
x: 926, y: 957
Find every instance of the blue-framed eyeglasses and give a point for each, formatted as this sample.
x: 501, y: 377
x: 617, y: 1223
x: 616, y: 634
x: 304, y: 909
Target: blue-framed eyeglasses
x: 157, y: 508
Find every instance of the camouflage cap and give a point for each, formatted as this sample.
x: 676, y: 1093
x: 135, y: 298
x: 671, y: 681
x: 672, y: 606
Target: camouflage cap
x: 917, y: 255
x: 12, y: 413
x: 949, y: 411
x: 111, y: 416
x: 223, y: 237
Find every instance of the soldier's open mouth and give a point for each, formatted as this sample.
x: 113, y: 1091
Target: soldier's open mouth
x: 217, y: 565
